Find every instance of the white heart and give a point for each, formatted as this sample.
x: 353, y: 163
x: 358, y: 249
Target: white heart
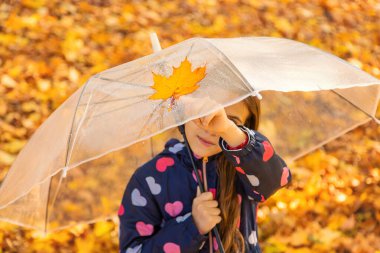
x: 153, y: 186
x: 253, y: 180
x: 252, y: 239
x: 182, y: 218
x: 137, y: 199
x: 136, y: 249
x: 203, y: 243
x: 177, y: 147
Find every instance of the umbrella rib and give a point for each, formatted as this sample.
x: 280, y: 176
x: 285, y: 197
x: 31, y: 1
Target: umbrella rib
x: 131, y: 62
x: 372, y: 117
x: 161, y: 58
x: 118, y: 99
x: 117, y: 109
x: 47, y: 207
x: 134, y: 85
x: 231, y: 66
x: 124, y: 67
x: 53, y: 200
x: 67, y: 150
x: 131, y: 84
x: 150, y: 117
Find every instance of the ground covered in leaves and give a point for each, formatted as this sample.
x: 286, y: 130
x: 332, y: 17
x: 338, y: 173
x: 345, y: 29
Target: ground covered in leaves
x: 49, y: 48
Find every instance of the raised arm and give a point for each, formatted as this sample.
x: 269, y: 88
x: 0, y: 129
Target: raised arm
x: 261, y: 171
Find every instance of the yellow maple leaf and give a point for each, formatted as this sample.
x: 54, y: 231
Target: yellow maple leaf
x: 182, y: 81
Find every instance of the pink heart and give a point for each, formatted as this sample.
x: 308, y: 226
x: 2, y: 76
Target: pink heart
x: 144, y: 229
x: 173, y: 209
x: 261, y: 195
x: 200, y: 175
x: 237, y: 159
x: 213, y: 191
x: 170, y: 247
x: 163, y: 163
x: 284, y: 177
x: 120, y: 212
x: 268, y: 153
x: 215, y: 243
x: 240, y: 170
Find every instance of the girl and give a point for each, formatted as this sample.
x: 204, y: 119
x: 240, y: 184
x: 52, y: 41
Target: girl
x: 162, y: 209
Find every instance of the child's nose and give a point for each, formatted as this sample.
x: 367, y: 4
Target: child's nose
x: 211, y: 134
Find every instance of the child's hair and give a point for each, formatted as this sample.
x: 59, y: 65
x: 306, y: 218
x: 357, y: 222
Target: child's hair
x: 232, y: 239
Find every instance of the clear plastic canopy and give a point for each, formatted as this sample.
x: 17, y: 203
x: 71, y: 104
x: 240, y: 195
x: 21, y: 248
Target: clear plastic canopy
x: 76, y: 165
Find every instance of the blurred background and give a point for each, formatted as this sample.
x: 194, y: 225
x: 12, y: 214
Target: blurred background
x: 48, y: 49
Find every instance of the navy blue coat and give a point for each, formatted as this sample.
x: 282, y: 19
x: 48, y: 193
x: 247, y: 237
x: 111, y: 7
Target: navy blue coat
x: 155, y: 212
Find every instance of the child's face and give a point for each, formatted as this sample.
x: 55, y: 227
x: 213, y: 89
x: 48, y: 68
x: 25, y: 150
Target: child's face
x: 238, y: 113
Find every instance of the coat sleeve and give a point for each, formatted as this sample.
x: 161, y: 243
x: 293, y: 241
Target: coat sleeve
x: 142, y: 228
x: 260, y: 170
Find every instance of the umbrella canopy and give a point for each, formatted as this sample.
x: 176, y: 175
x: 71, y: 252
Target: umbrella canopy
x: 77, y: 163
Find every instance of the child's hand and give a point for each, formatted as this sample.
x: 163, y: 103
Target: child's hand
x: 205, y: 212
x: 216, y: 123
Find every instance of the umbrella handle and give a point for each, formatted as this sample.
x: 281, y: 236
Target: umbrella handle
x: 157, y: 47
x: 214, y: 229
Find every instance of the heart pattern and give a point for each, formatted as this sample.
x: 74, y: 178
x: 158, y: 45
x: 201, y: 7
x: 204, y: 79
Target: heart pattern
x: 180, y: 219
x: 144, y: 229
x: 252, y: 239
x: 268, y: 153
x: 200, y: 175
x: 215, y: 243
x: 213, y: 191
x: 154, y: 187
x: 136, y: 249
x: 163, y: 163
x: 137, y: 199
x: 253, y: 180
x: 203, y: 243
x: 173, y: 209
x: 259, y: 195
x: 240, y: 170
x: 170, y: 247
x: 177, y: 147
x: 237, y: 159
x: 285, y: 175
x: 120, y: 212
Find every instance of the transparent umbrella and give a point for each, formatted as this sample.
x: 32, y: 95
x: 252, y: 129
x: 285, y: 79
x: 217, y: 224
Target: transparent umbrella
x: 78, y: 162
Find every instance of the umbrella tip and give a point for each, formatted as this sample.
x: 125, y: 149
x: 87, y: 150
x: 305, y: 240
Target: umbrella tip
x: 155, y: 42
x: 257, y: 94
x: 64, y: 171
